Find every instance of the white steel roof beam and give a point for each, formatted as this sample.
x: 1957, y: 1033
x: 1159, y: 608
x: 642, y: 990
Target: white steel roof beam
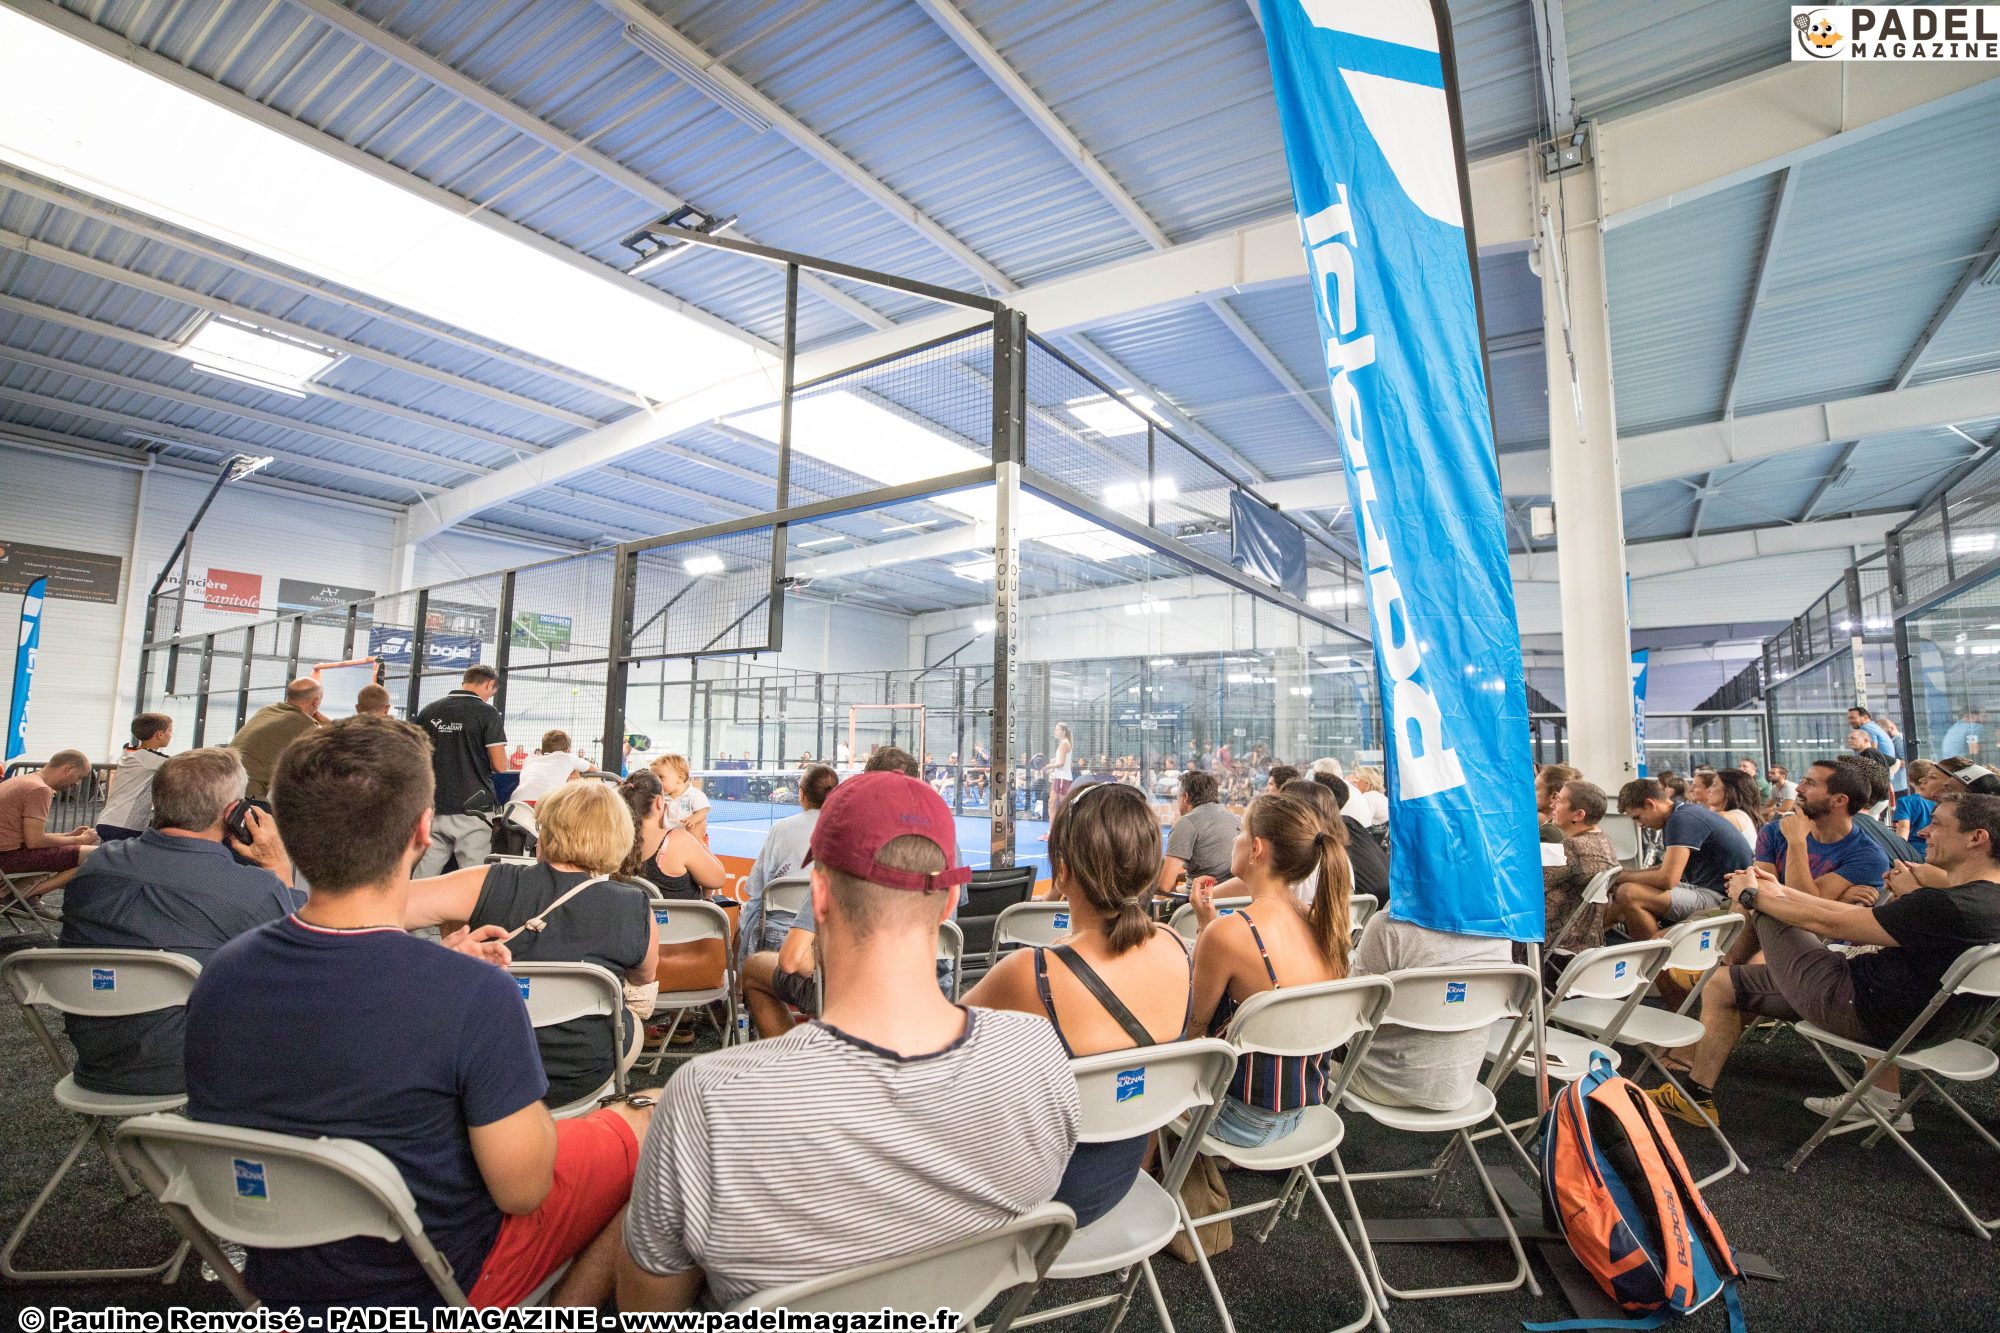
x: 1773, y: 233
x: 1975, y: 270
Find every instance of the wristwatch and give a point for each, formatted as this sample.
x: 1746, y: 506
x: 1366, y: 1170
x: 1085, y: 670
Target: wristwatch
x: 1748, y: 899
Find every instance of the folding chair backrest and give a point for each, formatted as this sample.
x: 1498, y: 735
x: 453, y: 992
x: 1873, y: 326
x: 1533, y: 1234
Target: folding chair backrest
x: 1977, y: 972
x: 100, y: 983
x: 1182, y: 922
x: 1036, y: 923
x: 1360, y: 908
x: 1598, y: 891
x: 1696, y: 946
x: 1623, y: 831
x: 950, y: 943
x: 1613, y: 971
x: 560, y: 992
x: 689, y: 920
x: 1124, y: 1094
x: 1459, y: 999
x: 788, y: 893
x: 1309, y: 1020
x: 279, y: 1191
x: 962, y: 1275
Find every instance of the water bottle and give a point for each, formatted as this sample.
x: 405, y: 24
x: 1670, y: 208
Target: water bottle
x: 742, y: 1027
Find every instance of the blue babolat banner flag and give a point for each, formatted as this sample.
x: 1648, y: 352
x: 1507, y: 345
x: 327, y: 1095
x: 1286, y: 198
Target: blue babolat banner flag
x: 24, y: 668
x: 1372, y: 140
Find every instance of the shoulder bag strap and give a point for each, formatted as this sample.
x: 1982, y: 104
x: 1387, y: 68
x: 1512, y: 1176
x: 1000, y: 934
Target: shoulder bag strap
x: 1093, y: 983
x: 540, y: 921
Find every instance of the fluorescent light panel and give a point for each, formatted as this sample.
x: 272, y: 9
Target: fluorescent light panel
x: 1132, y: 494
x: 1111, y: 416
x: 96, y: 123
x: 698, y: 565
x: 239, y: 351
x: 693, y: 74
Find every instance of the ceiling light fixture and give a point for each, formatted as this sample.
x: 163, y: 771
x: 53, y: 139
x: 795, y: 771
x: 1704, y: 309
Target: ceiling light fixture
x: 975, y: 570
x: 247, y: 354
x: 1111, y: 416
x: 689, y: 67
x: 826, y: 541
x: 1132, y: 494
x: 656, y: 242
x: 984, y: 625
x: 697, y: 565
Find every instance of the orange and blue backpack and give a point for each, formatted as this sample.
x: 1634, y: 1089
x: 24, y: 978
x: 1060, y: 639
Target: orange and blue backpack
x: 1615, y: 1185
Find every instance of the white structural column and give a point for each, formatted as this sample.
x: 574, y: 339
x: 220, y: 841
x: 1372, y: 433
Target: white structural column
x: 1583, y: 456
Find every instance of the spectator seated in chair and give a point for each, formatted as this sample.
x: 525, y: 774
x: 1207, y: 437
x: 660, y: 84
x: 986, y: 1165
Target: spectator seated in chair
x: 371, y: 701
x: 1818, y: 848
x: 548, y: 769
x: 673, y: 864
x: 333, y: 1021
x: 262, y: 739
x: 895, y: 1079
x: 1576, y: 813
x: 1199, y: 843
x: 128, y: 808
x: 783, y: 852
x: 174, y: 887
x: 1702, y: 850
x: 586, y: 835
x: 1272, y: 943
x: 27, y: 845
x: 1120, y: 981
x: 1871, y: 996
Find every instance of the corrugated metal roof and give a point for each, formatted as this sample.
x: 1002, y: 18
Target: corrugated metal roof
x: 1628, y: 54
x: 1680, y: 286
x: 1969, y: 341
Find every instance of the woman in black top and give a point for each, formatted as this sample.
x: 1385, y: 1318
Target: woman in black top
x: 672, y: 864
x: 585, y: 833
x: 1118, y: 982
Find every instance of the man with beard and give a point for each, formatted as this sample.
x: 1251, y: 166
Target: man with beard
x: 1817, y: 849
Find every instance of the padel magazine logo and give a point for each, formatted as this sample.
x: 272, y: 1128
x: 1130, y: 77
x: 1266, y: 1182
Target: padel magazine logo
x: 1895, y: 32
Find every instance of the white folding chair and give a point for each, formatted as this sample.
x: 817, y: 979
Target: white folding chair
x: 1299, y: 1021
x: 564, y: 992
x: 1039, y: 923
x: 1595, y: 894
x: 94, y: 983
x: 963, y: 1275
x: 787, y: 893
x: 1125, y: 1095
x: 1361, y: 907
x: 689, y: 921
x: 1182, y: 922
x: 17, y: 909
x: 951, y: 949
x: 1446, y: 1000
x: 1623, y: 831
x: 1692, y: 946
x: 275, y: 1192
x: 1962, y: 1060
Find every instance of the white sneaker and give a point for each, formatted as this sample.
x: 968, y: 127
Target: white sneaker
x: 1883, y: 1102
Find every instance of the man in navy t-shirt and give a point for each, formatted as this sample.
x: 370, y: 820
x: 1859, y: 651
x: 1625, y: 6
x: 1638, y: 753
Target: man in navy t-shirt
x: 333, y: 1021
x: 1817, y: 848
x: 1703, y: 850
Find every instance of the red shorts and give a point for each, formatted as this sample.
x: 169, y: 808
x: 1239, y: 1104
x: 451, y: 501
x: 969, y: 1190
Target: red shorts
x: 596, y: 1155
x: 33, y: 860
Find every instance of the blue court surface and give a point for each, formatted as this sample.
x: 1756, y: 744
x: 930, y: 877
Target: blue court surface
x: 737, y: 828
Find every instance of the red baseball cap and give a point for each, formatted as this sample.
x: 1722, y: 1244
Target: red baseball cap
x: 864, y: 814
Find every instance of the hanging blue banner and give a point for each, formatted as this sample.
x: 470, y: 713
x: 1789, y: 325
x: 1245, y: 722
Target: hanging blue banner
x: 1372, y: 139
x: 29, y: 645
x: 1266, y: 545
x: 1639, y: 708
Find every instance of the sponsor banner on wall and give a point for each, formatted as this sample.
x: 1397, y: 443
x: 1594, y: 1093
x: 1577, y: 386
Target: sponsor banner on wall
x: 534, y: 629
x: 1365, y: 103
x: 442, y: 652
x: 74, y: 576
x: 327, y: 602
x: 231, y: 590
x: 28, y: 648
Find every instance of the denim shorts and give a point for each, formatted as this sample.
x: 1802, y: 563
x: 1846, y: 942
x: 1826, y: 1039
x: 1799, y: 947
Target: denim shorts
x: 1247, y: 1126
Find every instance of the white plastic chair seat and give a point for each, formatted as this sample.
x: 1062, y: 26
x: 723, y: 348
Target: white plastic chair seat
x: 1319, y: 1132
x: 1140, y: 1226
x: 1960, y: 1061
x: 585, y: 1104
x: 1643, y: 1026
x: 1421, y: 1120
x: 1569, y: 1054
x: 73, y: 1097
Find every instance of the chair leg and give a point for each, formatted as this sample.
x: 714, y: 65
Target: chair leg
x: 1201, y: 1261
x: 1123, y: 1302
x: 171, y: 1264
x: 1360, y: 1229
x: 1983, y: 1226
x: 1371, y: 1313
x: 1284, y: 1199
x: 1159, y: 1301
x: 1854, y: 1090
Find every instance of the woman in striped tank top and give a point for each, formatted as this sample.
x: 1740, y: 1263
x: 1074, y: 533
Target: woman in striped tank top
x: 1273, y: 942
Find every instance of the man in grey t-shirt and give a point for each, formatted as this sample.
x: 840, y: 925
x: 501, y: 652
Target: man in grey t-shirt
x: 1201, y: 837
x: 784, y: 852
x: 1403, y: 1067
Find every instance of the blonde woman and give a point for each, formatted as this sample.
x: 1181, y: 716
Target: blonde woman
x: 1367, y: 806
x: 687, y: 804
x: 586, y: 834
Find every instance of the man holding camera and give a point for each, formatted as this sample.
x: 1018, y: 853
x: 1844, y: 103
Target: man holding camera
x: 175, y: 887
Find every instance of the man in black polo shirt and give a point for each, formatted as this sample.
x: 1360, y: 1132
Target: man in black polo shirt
x: 468, y: 746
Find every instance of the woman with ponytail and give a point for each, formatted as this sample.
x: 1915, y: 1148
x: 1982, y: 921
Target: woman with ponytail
x: 1272, y: 943
x: 1119, y: 981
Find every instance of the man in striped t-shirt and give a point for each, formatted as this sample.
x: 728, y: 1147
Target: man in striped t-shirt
x: 888, y: 1081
